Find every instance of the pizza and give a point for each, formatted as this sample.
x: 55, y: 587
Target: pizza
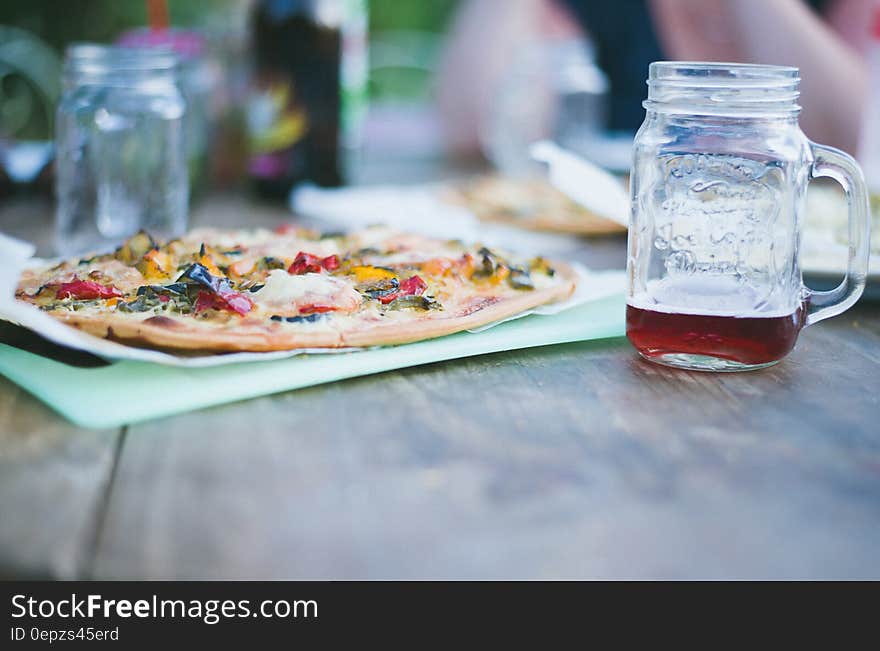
x: 289, y: 288
x: 528, y: 203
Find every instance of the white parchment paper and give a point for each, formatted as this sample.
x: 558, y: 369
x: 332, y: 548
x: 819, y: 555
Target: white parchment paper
x: 17, y: 256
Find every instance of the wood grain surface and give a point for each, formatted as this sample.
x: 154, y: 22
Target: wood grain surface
x: 570, y: 461
x: 54, y: 481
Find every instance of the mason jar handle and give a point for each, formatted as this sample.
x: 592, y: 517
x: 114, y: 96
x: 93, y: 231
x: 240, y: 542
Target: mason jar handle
x: 835, y: 164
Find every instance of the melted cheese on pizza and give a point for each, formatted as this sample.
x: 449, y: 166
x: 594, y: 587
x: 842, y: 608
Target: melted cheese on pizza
x: 286, y: 294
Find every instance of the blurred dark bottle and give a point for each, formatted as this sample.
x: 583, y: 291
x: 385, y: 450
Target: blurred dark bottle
x: 304, y: 99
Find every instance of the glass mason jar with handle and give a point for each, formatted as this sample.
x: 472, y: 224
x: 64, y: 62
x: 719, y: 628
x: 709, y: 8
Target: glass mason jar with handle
x: 719, y: 177
x: 121, y: 157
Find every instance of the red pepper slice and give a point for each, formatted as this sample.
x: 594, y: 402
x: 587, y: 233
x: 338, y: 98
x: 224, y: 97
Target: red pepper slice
x: 86, y: 289
x: 330, y: 263
x: 237, y: 302
x: 304, y: 263
x: 204, y: 301
x: 412, y: 286
x: 314, y: 308
x: 307, y: 263
x: 232, y: 301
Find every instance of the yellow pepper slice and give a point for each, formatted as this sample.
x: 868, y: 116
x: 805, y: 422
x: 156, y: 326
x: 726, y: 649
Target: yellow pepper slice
x: 208, y: 263
x: 437, y: 266
x: 500, y: 274
x: 367, y: 273
x: 155, y: 265
x: 242, y: 267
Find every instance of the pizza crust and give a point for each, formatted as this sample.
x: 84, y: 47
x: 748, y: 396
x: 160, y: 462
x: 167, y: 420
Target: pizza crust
x: 502, y: 308
x: 177, y: 335
x: 586, y: 223
x: 532, y: 204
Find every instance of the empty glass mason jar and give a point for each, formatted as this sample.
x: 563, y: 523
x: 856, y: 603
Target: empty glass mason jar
x: 121, y: 160
x: 719, y: 178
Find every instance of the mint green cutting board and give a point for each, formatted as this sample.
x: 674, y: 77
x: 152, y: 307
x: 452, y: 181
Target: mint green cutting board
x: 112, y: 395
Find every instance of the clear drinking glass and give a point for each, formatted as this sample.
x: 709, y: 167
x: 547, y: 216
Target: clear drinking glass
x: 121, y: 159
x: 719, y: 176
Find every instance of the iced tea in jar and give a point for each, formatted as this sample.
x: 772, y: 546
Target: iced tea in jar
x: 719, y: 177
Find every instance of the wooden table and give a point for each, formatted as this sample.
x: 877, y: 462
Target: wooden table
x: 568, y: 461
